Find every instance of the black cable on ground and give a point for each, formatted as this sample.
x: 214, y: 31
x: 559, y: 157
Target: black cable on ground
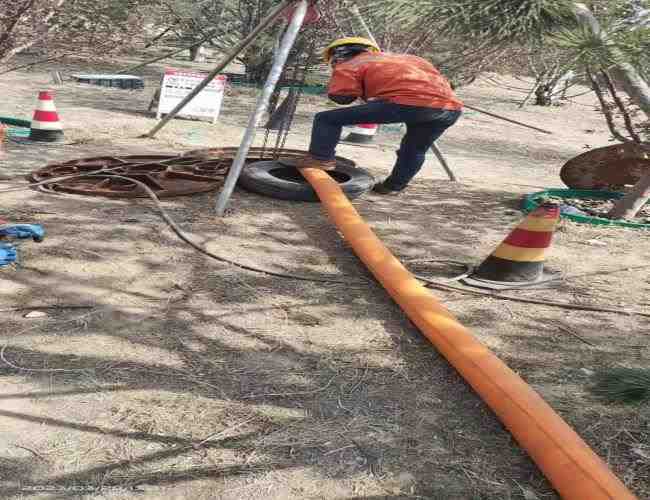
x: 446, y: 286
x: 469, y: 269
x: 441, y: 284
x: 57, y: 179
x: 563, y: 305
x: 178, y: 231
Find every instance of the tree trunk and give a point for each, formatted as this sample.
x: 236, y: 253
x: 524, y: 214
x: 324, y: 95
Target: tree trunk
x: 562, y: 84
x: 257, y: 65
x: 543, y: 95
x: 158, y: 36
x: 197, y: 53
x: 633, y: 83
x: 533, y: 91
x: 630, y: 205
x: 639, y: 91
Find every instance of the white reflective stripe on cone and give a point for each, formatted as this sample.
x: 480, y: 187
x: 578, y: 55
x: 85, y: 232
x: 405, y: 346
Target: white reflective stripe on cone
x: 46, y: 106
x: 46, y: 125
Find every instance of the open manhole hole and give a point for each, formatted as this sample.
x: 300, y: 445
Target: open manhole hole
x: 286, y: 156
x: 166, y: 175
x: 292, y: 175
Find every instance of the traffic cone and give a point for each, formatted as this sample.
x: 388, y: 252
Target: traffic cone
x: 519, y: 259
x: 46, y: 126
x: 362, y: 133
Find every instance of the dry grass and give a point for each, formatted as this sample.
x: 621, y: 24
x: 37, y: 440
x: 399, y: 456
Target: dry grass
x: 623, y: 385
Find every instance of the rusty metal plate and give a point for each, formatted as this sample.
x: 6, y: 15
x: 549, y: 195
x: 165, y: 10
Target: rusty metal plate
x: 611, y: 167
x: 196, y: 171
x: 166, y: 175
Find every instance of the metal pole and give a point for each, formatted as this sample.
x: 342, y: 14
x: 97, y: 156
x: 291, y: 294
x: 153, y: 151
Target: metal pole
x: 262, y: 105
x: 275, y: 14
x: 436, y: 150
x: 507, y: 119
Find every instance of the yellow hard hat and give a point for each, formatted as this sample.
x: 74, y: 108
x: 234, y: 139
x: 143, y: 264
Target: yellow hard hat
x: 353, y: 40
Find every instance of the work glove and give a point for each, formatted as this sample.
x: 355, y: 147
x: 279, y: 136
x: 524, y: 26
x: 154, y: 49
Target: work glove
x: 23, y: 231
x: 8, y: 254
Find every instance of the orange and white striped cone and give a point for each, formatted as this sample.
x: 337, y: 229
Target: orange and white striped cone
x: 519, y: 259
x: 362, y: 133
x: 46, y: 126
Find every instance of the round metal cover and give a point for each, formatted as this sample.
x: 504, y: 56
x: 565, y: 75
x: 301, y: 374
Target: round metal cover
x: 166, y: 175
x: 611, y: 167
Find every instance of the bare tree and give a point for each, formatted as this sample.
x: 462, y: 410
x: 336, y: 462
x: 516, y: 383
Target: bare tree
x: 56, y: 28
x: 221, y: 24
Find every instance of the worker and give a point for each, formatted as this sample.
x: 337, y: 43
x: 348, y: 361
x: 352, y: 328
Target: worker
x: 396, y: 89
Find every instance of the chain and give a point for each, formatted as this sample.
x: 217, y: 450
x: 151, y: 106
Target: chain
x: 275, y: 97
x: 276, y: 91
x: 296, y: 87
x: 295, y: 94
x: 287, y: 119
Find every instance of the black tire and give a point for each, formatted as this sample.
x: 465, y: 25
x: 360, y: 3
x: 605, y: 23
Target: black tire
x: 273, y: 179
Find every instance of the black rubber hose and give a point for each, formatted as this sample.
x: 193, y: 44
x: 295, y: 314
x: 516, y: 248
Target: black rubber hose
x: 177, y: 230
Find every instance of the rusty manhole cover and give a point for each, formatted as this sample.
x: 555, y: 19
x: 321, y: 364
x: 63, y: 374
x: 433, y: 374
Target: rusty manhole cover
x: 166, y: 175
x: 611, y: 167
x: 196, y: 171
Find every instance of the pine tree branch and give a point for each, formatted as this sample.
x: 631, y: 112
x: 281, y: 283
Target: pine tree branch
x: 621, y: 106
x: 605, y: 108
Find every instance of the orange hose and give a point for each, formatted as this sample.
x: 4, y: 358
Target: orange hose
x: 575, y: 471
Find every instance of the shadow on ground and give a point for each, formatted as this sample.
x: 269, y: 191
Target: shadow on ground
x: 197, y: 370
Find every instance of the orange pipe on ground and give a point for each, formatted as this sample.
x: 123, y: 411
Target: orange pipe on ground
x: 575, y: 471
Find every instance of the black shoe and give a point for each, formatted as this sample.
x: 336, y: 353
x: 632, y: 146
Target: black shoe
x: 381, y: 188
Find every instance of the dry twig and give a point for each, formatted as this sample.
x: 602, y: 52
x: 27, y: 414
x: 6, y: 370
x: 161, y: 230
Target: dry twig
x: 53, y: 306
x: 33, y: 452
x: 574, y: 334
x: 221, y: 434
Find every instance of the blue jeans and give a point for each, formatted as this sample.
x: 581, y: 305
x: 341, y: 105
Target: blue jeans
x: 423, y: 127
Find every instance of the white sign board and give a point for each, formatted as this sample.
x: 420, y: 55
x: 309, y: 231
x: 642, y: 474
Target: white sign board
x: 177, y: 83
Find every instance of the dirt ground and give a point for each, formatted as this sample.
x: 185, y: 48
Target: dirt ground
x: 187, y: 378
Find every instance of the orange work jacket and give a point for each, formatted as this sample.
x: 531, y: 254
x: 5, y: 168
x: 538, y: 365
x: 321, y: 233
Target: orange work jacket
x: 401, y: 79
